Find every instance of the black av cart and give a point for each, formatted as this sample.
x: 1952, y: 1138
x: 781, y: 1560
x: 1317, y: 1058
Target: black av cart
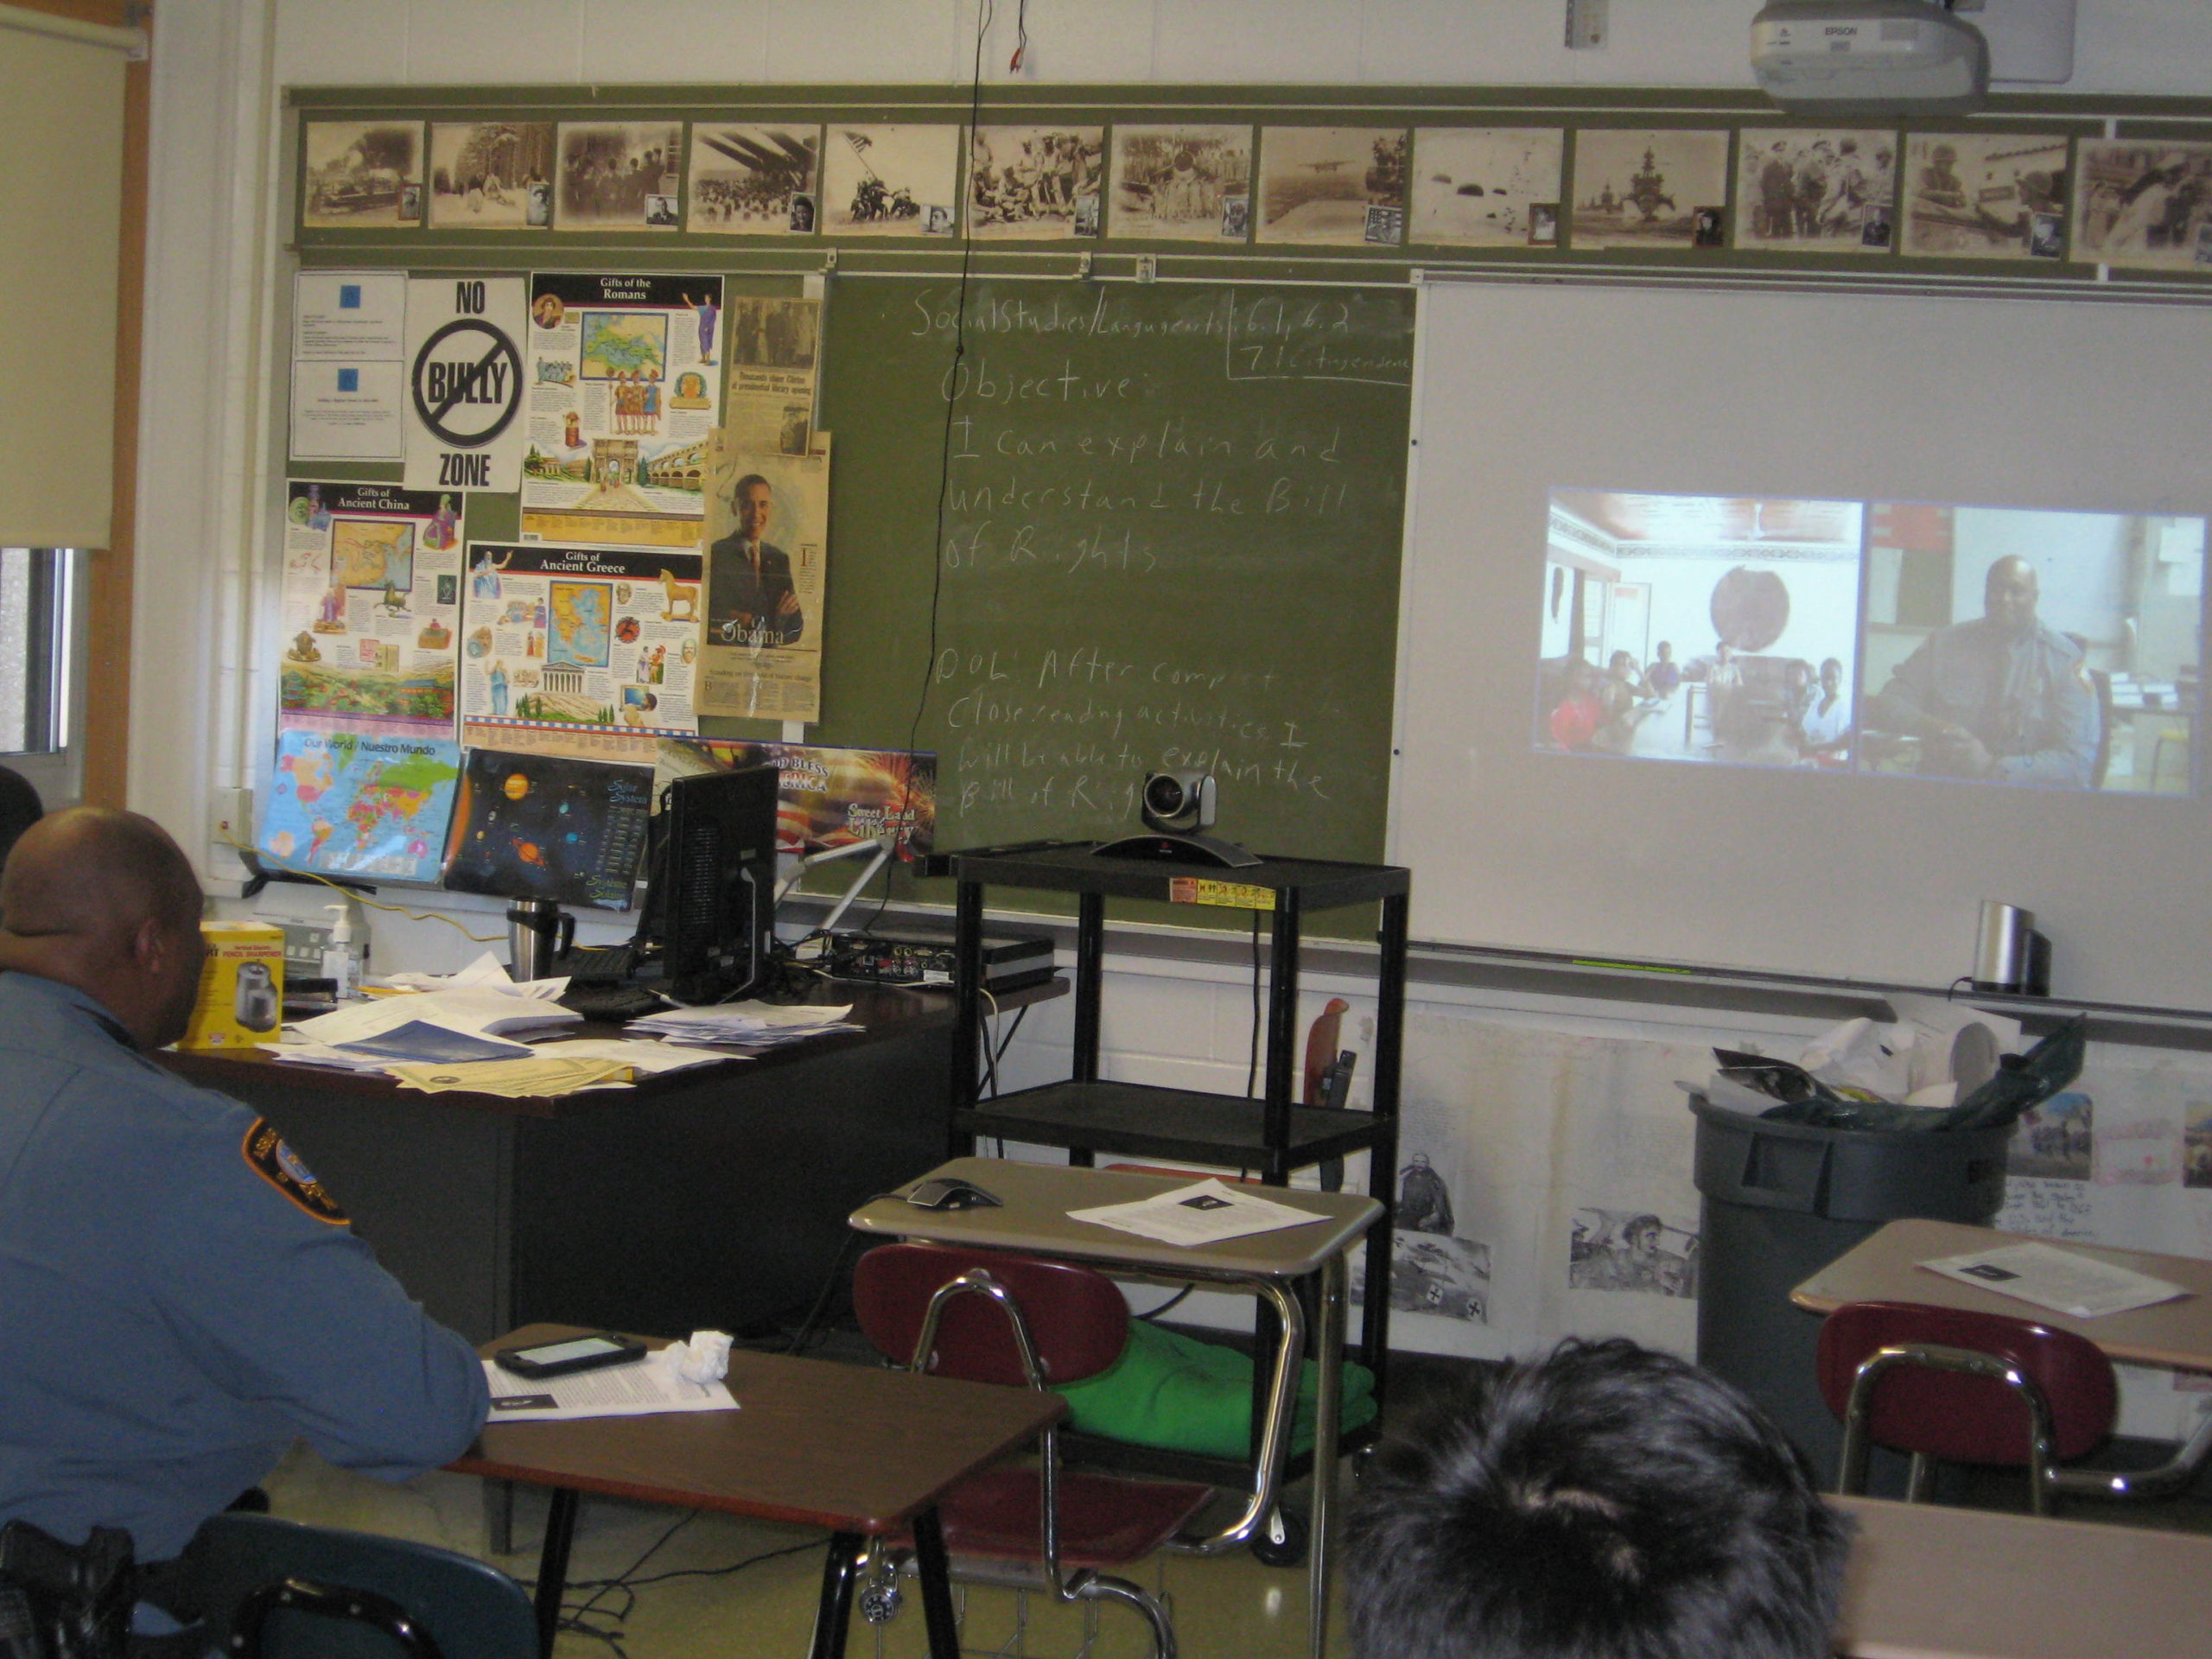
x: 1272, y: 1136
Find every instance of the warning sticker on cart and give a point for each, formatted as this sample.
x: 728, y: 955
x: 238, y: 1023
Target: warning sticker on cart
x: 1232, y: 895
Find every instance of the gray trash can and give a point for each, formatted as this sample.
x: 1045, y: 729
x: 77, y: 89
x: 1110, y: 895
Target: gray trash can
x: 1780, y: 1202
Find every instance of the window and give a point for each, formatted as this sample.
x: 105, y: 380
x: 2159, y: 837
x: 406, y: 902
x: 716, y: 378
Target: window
x: 37, y: 646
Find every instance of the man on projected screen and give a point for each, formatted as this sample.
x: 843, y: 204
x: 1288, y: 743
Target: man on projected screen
x: 2001, y: 697
x: 750, y: 597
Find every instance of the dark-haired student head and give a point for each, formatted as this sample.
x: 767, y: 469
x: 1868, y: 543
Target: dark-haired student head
x: 1607, y: 1502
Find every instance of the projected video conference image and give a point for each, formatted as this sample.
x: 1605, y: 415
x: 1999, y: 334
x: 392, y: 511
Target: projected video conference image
x: 1998, y: 645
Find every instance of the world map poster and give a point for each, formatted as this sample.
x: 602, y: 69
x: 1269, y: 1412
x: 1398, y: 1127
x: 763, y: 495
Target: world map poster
x: 351, y: 803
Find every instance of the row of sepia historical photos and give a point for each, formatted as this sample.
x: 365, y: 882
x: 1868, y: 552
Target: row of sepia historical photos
x: 2139, y: 203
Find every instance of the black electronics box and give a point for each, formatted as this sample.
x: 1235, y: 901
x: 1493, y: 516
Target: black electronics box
x: 918, y: 958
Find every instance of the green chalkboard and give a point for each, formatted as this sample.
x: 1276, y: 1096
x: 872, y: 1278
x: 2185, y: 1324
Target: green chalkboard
x: 1082, y: 530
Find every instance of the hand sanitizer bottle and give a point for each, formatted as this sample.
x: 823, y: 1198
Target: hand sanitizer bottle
x: 341, y: 963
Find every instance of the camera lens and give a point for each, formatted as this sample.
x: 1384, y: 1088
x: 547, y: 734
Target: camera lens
x: 1163, y: 794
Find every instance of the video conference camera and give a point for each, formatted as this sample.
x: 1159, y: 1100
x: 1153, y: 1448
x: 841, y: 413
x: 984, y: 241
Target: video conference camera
x: 1177, y: 803
x: 1177, y: 807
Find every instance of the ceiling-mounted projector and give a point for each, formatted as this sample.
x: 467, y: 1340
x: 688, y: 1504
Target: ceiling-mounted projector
x: 1848, y: 57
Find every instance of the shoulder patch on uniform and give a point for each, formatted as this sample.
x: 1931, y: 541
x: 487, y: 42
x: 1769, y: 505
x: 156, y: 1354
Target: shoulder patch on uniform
x: 267, y: 1156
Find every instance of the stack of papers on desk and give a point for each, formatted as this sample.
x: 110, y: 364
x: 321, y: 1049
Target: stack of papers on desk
x: 485, y: 972
x: 559, y: 1068
x: 645, y: 1058
x: 754, y: 1025
x: 520, y: 1080
x: 474, y: 1011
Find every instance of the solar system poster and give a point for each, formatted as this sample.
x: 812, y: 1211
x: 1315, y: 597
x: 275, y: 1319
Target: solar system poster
x: 534, y: 826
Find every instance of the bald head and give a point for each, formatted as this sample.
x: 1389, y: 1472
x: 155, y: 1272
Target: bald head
x: 106, y: 902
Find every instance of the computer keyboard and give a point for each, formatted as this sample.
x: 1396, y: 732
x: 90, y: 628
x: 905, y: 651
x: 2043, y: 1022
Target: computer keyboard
x: 598, y: 964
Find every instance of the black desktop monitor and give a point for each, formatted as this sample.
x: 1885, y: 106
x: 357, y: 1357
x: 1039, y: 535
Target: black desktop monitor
x: 535, y: 826
x: 711, y: 907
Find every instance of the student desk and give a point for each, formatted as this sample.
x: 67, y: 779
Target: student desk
x: 1929, y: 1582
x: 1884, y: 1268
x: 859, y: 1451
x: 714, y: 1196
x: 1033, y: 1219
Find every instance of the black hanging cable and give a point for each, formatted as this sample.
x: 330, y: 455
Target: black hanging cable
x: 627, y: 1584
x: 951, y: 384
x: 1252, y: 1062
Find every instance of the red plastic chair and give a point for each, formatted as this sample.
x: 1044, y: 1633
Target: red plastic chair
x: 1979, y: 1388
x: 986, y: 1316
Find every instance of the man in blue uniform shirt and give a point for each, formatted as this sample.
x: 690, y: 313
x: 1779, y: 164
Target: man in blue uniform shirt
x: 2000, y: 697
x: 179, y: 1296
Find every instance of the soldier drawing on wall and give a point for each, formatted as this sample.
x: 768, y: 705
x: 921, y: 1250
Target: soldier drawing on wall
x: 1625, y: 1250
x: 1424, y: 1202
x: 1432, y: 1271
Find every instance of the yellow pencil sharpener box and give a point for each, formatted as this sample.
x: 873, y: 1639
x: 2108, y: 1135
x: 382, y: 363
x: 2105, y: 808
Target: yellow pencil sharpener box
x: 241, y: 987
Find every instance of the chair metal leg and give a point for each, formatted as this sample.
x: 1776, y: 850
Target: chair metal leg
x: 834, y: 1611
x: 1328, y: 1419
x: 1100, y: 1586
x: 1915, y: 1478
x: 1274, y: 1436
x: 553, y: 1564
x: 2167, y: 1479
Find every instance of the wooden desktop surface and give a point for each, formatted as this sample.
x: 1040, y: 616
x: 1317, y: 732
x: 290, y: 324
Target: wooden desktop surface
x: 848, y: 1447
x: 1886, y: 1268
x: 1927, y: 1581
x: 1034, y: 1217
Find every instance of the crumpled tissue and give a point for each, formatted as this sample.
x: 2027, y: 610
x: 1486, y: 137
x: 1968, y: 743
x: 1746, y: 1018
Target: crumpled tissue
x: 704, y: 1358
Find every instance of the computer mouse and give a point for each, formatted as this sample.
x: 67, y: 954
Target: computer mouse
x: 946, y: 1193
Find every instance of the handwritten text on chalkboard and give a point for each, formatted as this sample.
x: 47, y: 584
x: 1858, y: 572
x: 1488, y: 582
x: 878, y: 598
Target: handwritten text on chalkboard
x: 1166, y: 531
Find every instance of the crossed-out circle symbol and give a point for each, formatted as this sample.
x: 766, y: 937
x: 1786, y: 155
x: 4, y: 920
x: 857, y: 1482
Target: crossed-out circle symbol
x: 469, y: 378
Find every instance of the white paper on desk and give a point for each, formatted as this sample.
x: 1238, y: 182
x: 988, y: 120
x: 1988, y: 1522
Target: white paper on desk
x: 2066, y: 1282
x: 486, y: 969
x: 641, y: 1390
x: 338, y: 1060
x: 1205, y: 1213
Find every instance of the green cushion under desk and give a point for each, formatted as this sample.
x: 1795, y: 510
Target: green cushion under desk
x: 1183, y: 1394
